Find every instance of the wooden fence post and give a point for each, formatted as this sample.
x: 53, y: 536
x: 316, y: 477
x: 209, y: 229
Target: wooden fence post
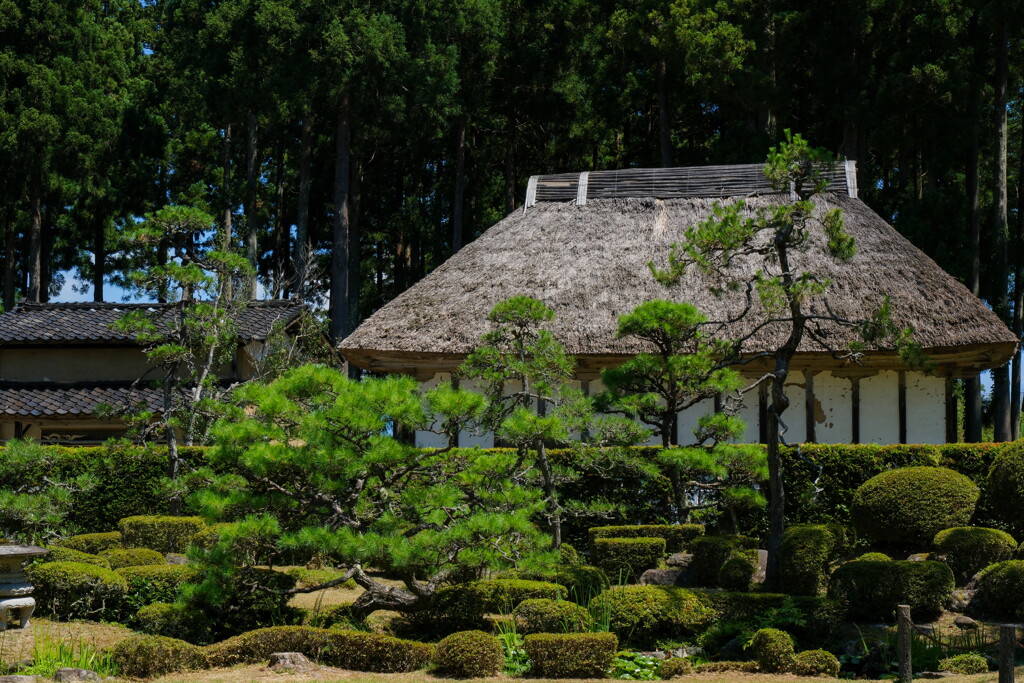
x: 1007, y: 652
x: 904, y: 628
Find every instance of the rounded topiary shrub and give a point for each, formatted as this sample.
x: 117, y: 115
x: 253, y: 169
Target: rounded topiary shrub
x: 673, y: 667
x: 75, y: 590
x: 551, y: 616
x: 62, y: 554
x: 152, y: 656
x: 875, y: 557
x: 155, y: 583
x: 625, y: 559
x: 815, y: 663
x: 1001, y: 590
x: 570, y: 655
x: 677, y: 536
x: 166, y: 619
x: 93, y: 544
x: 710, y: 553
x: 462, y: 607
x: 969, y: 549
x: 738, y: 571
x: 258, y: 645
x: 908, y: 506
x: 163, y: 533
x: 966, y: 664
x: 581, y: 582
x: 872, y: 589
x: 773, y: 650
x: 807, y: 551
x: 469, y: 654
x: 640, y: 615
x: 131, y: 557
x: 1005, y: 486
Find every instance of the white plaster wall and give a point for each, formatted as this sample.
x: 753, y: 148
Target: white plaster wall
x: 880, y: 408
x: 688, y: 419
x: 833, y: 408
x: 795, y: 416
x: 749, y: 413
x: 926, y: 408
x: 471, y: 439
x: 429, y: 439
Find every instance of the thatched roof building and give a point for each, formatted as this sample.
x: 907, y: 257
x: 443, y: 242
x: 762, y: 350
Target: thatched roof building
x: 582, y: 244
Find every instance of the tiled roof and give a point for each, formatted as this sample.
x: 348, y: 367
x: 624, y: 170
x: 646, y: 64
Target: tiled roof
x: 78, y: 401
x: 30, y: 323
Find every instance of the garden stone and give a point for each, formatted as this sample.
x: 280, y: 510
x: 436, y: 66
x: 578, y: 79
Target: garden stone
x: 960, y: 600
x: 965, y: 623
x: 679, y: 560
x: 762, y: 567
x: 18, y: 679
x: 72, y: 675
x: 176, y: 558
x: 289, y: 661
x: 918, y: 557
x: 661, y: 577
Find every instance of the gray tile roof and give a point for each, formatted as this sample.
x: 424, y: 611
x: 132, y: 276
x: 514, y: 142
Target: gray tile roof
x: 77, y: 401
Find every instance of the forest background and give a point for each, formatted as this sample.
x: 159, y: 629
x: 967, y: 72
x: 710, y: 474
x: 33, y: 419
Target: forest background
x: 347, y: 147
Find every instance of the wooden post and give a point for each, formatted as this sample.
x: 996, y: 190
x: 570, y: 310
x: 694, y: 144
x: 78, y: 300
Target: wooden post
x: 1007, y: 650
x: 904, y: 629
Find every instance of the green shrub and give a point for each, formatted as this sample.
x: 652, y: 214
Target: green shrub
x: 815, y: 663
x: 677, y: 536
x: 551, y: 616
x: 966, y: 664
x: 93, y: 544
x: 75, y: 590
x: 153, y: 656
x: 469, y: 654
x: 872, y: 589
x: 750, y: 667
x: 166, y: 619
x: 674, y: 666
x: 773, y: 650
x: 1005, y: 486
x: 822, y: 617
x: 155, y: 583
x: 807, y: 551
x: 570, y: 655
x: 625, y: 559
x: 462, y: 607
x: 582, y: 582
x: 159, y: 532
x: 639, y: 615
x: 132, y: 557
x: 568, y: 555
x: 969, y: 549
x: 875, y: 557
x: 738, y: 571
x: 710, y: 553
x: 258, y: 645
x: 1001, y: 589
x: 909, y: 506
x: 61, y: 554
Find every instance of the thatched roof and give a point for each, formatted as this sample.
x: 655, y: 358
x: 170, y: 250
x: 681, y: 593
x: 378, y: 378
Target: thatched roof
x: 589, y: 264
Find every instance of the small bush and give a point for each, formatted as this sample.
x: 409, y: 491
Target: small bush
x: 910, y: 505
x: 570, y: 655
x: 710, y: 553
x: 875, y: 557
x: 155, y: 583
x: 1001, y: 589
x: 551, y: 616
x: 61, y: 554
x: 677, y: 536
x: 822, y: 617
x: 872, y: 589
x: 640, y: 615
x: 568, y: 556
x: 773, y: 650
x: 675, y: 666
x: 131, y: 557
x: 469, y: 654
x: 625, y: 559
x: 738, y: 571
x: 582, y: 582
x: 815, y: 663
x: 807, y: 551
x: 166, y: 619
x: 75, y: 590
x: 750, y: 667
x: 462, y: 607
x: 1005, y: 487
x: 249, y: 608
x: 159, y: 532
x: 966, y: 664
x: 93, y: 544
x: 152, y: 656
x: 968, y: 549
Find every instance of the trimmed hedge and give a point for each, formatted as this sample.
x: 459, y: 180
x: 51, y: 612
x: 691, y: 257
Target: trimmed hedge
x: 625, y: 559
x: 75, y: 590
x: 815, y: 663
x: 582, y: 582
x: 969, y: 549
x: 132, y: 557
x: 710, y: 553
x: 160, y: 532
x: 738, y: 571
x: 872, y: 589
x: 153, y: 656
x: 156, y: 583
x: 807, y: 552
x: 462, y: 607
x: 909, y: 506
x: 469, y: 654
x: 640, y: 615
x: 875, y: 557
x: 61, y: 554
x: 966, y: 664
x: 1001, y: 590
x: 677, y: 536
x: 94, y: 544
x: 773, y: 650
x: 551, y: 616
x: 166, y: 619
x: 570, y: 655
x: 1006, y: 486
x: 673, y: 667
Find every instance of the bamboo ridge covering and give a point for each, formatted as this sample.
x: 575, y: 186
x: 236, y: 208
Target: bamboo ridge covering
x: 589, y: 264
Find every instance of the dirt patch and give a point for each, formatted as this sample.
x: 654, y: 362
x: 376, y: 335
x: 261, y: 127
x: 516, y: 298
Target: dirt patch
x: 17, y: 644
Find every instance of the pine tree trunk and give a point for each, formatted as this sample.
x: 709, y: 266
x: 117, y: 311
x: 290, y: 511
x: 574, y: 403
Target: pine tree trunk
x: 35, y: 241
x: 281, y: 238
x: 302, y: 218
x: 355, y: 256
x: 1018, y: 297
x: 664, y: 125
x: 10, y: 265
x: 1000, y: 376
x: 460, y: 183
x: 972, y: 385
x: 251, y: 214
x: 226, y: 238
x: 340, y: 233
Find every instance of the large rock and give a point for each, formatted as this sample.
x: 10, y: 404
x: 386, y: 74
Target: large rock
x: 965, y: 623
x: 71, y: 675
x: 662, y: 577
x: 762, y: 567
x: 679, y: 560
x: 960, y: 600
x: 290, y: 661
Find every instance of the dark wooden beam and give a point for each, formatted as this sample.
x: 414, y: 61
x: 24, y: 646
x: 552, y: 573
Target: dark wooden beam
x: 902, y: 399
x: 762, y: 412
x: 855, y: 404
x: 952, y: 435
x: 809, y: 405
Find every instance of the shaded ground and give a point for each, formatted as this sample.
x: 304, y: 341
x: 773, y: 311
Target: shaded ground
x: 18, y: 644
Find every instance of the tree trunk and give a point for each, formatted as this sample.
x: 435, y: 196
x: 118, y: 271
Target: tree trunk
x: 1000, y: 376
x: 972, y: 385
x: 173, y: 459
x: 460, y: 183
x: 282, y: 248
x: 664, y: 125
x: 551, y: 494
x: 355, y: 257
x: 510, y: 177
x: 10, y: 265
x: 1018, y: 296
x: 340, y: 233
x: 251, y: 214
x: 99, y: 252
x: 35, y: 241
x: 226, y: 238
x: 302, y: 218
